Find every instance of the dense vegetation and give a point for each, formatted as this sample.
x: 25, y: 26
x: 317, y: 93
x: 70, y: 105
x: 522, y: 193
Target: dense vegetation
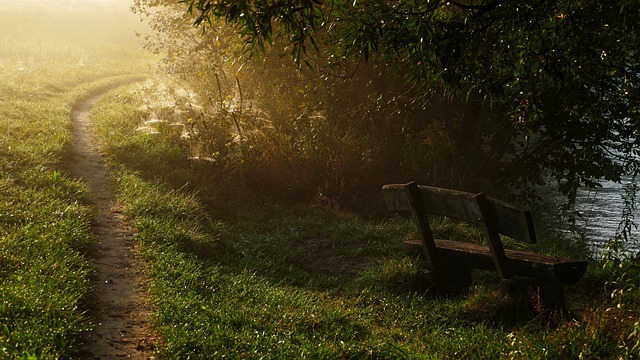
x: 482, y: 96
x: 526, y: 86
x: 485, y: 96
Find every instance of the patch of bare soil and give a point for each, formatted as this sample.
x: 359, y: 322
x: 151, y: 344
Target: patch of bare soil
x: 120, y: 309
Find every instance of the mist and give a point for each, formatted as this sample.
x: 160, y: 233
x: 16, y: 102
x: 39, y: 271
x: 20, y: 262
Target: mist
x: 81, y: 21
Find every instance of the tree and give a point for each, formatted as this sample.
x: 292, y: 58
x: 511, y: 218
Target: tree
x: 564, y: 74
x: 524, y: 90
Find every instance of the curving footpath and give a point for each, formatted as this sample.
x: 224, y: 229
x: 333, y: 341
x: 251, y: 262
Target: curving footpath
x: 120, y: 309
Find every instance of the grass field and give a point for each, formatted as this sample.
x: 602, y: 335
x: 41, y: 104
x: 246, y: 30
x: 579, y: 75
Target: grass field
x: 45, y: 215
x: 236, y: 274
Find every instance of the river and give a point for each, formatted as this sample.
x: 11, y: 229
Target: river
x: 601, y: 211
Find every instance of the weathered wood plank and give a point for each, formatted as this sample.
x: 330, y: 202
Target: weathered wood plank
x: 509, y: 220
x: 521, y: 263
x: 437, y: 201
x: 421, y: 219
x: 513, y: 221
x: 397, y: 197
x: 493, y: 237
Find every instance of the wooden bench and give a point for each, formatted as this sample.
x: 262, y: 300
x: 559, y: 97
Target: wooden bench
x: 446, y: 259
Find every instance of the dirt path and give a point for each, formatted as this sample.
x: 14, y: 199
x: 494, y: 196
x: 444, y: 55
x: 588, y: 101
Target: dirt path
x: 120, y: 310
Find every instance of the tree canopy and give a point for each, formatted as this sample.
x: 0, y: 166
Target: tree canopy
x: 567, y: 71
x: 544, y: 87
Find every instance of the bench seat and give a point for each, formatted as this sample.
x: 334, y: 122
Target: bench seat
x: 521, y: 263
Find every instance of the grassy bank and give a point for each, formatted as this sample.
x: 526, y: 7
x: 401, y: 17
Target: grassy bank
x: 238, y: 274
x: 45, y: 214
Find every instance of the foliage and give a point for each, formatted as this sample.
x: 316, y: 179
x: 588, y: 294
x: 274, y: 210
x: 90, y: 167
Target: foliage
x: 541, y: 85
x: 263, y: 122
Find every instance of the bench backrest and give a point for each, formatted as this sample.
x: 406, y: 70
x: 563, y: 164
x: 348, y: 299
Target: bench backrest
x: 495, y: 217
x: 508, y: 219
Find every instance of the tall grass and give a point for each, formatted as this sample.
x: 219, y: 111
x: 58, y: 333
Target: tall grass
x: 45, y: 214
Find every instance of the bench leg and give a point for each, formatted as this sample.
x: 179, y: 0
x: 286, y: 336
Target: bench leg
x: 542, y: 295
x: 551, y: 296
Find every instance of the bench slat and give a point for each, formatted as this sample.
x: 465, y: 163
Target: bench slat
x: 521, y: 263
x: 443, y: 202
x: 495, y: 217
x: 513, y: 221
x: 509, y: 220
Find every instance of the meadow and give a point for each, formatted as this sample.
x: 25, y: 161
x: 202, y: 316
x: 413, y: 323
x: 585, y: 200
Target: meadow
x: 45, y: 214
x: 235, y: 272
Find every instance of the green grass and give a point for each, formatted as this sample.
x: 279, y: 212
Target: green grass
x: 256, y: 287
x: 238, y: 274
x: 45, y: 214
x: 235, y: 273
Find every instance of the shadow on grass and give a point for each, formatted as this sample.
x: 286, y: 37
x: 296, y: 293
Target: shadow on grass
x: 311, y: 248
